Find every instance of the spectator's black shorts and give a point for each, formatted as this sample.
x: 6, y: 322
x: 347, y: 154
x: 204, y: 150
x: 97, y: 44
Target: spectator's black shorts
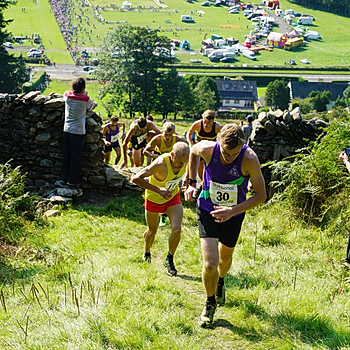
x: 136, y: 145
x: 227, y: 232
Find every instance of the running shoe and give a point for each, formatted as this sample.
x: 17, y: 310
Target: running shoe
x: 220, y: 295
x: 146, y: 257
x: 169, y: 264
x: 207, y: 316
x: 162, y: 221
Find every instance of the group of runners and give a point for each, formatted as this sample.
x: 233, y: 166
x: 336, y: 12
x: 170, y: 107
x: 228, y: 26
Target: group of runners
x: 215, y: 155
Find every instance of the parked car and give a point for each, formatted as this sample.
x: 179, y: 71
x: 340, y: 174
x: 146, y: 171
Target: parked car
x: 8, y: 45
x: 292, y: 62
x: 34, y: 54
x: 88, y: 68
x: 233, y: 11
x: 215, y: 58
x: 35, y: 50
x: 196, y: 60
x: 205, y: 3
x: 297, y: 14
x: 305, y: 60
x: 256, y: 19
x: 226, y: 60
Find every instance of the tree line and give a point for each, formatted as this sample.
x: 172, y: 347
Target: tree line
x: 133, y: 76
x: 341, y: 7
x: 13, y: 71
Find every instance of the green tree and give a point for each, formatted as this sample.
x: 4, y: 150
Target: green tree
x: 277, y: 94
x: 320, y: 100
x: 131, y: 62
x: 206, y: 93
x: 340, y: 102
x: 169, y: 92
x: 13, y: 72
x: 346, y: 93
x: 204, y: 96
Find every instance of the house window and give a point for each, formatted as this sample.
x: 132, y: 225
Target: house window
x: 227, y: 102
x: 237, y: 102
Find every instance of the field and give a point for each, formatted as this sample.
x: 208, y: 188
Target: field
x: 331, y: 50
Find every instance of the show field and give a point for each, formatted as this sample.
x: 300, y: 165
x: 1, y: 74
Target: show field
x: 331, y: 50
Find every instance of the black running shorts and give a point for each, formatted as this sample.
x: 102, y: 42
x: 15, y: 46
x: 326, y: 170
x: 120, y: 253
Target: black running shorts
x: 136, y: 145
x: 227, y: 232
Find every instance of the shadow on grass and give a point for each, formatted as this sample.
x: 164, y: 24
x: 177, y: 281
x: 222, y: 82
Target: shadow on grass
x: 9, y: 275
x: 190, y: 278
x: 245, y: 332
x: 308, y: 329
x: 129, y: 206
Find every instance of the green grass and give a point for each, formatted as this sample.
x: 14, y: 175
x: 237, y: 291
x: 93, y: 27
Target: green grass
x: 331, y: 50
x: 37, y: 18
x: 285, y: 292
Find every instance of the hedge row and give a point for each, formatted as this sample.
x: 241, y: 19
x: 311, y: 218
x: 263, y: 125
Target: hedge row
x: 38, y: 78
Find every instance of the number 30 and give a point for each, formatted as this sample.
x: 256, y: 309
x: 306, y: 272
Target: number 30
x: 222, y: 196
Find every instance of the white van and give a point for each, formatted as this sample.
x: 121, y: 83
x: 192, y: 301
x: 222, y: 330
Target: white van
x: 208, y: 51
x: 186, y: 18
x: 288, y: 12
x: 312, y: 35
x: 230, y: 54
x: 249, y: 54
x: 307, y: 20
x: 217, y: 53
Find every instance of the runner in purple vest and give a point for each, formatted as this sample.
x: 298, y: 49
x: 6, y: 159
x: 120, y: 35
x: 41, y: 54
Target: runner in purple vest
x: 110, y: 132
x: 221, y: 206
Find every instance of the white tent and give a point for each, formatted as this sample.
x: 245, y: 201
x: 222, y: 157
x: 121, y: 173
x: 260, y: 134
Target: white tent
x: 126, y: 5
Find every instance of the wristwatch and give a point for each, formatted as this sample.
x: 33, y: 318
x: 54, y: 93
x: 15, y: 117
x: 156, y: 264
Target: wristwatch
x: 191, y: 181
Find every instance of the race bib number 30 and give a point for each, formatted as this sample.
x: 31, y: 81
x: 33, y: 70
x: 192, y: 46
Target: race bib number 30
x: 223, y: 194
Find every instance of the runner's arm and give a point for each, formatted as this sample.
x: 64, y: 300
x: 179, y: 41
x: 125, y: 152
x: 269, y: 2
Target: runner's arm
x: 122, y: 125
x: 202, y: 149
x: 181, y: 139
x: 193, y: 128
x: 151, y: 146
x: 105, y: 131
x: 218, y: 127
x: 157, y: 166
x: 125, y: 146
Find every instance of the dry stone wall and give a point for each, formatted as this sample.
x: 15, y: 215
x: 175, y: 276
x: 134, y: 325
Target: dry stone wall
x: 31, y: 127
x: 280, y: 134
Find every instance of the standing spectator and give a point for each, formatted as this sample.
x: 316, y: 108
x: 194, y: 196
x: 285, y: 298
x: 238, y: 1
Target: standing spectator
x: 247, y: 129
x: 77, y: 103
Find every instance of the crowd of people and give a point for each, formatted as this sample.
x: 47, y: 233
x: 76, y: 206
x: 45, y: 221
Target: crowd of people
x: 75, y: 36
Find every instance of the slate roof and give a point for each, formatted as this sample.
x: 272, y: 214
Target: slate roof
x: 303, y: 89
x: 237, y: 89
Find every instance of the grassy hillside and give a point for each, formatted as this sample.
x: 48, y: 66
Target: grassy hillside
x: 78, y: 282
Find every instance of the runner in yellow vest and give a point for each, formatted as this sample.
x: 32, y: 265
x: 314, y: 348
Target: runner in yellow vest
x: 163, y: 195
x: 163, y: 143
